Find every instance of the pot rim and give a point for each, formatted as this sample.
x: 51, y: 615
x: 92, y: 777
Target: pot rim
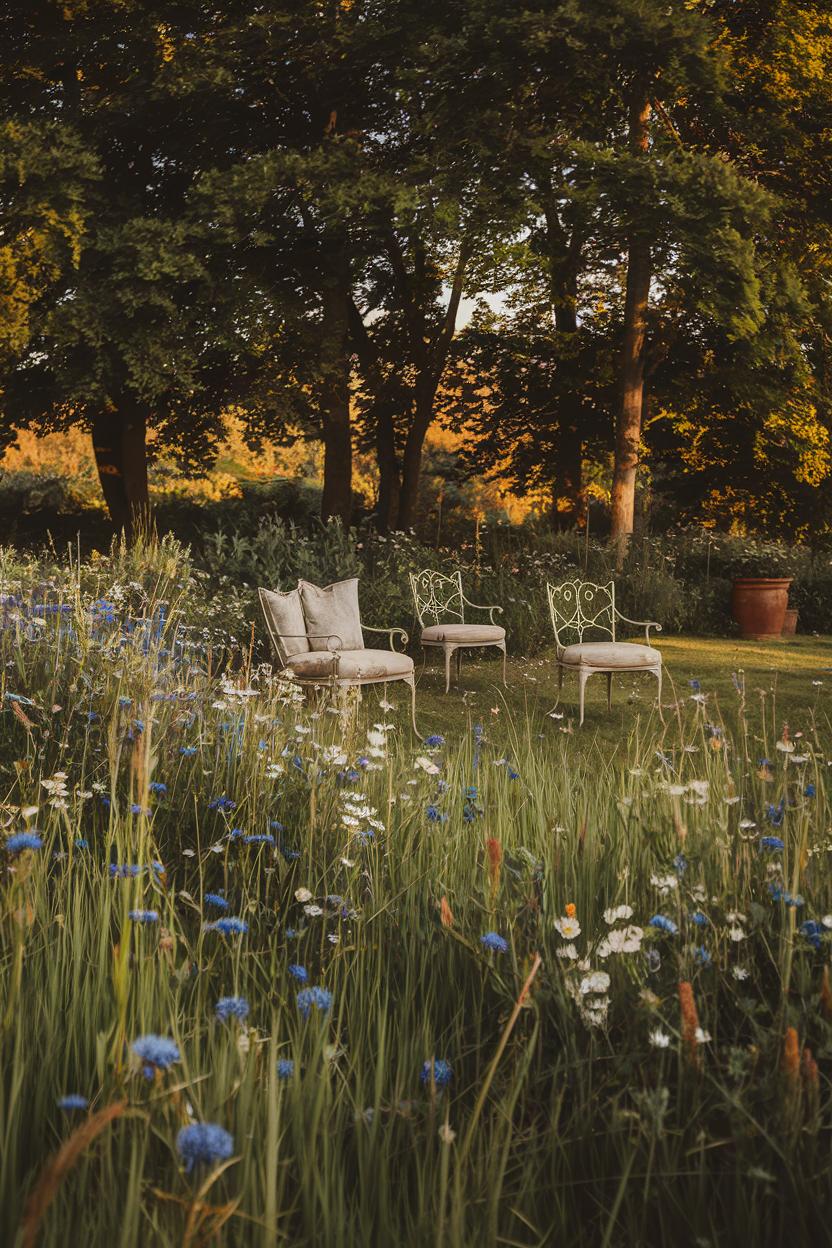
x: 773, y: 582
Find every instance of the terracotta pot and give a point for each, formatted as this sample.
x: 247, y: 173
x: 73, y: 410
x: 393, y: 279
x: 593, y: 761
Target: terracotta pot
x: 790, y: 622
x: 759, y: 605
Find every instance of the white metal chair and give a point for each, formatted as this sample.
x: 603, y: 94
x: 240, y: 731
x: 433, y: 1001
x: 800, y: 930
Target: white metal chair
x: 320, y: 658
x: 440, y: 608
x: 580, y: 607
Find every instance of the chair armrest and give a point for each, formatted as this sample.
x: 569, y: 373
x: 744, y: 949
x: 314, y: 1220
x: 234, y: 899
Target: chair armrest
x: 390, y: 633
x: 327, y: 637
x: 479, y: 607
x: 645, y: 624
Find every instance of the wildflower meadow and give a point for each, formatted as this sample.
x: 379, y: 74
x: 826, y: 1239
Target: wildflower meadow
x: 275, y: 971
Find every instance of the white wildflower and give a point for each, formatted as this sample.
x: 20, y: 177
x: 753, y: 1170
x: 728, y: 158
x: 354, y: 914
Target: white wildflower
x: 597, y: 982
x: 659, y: 1039
x: 617, y: 912
x: 303, y: 894
x: 568, y: 928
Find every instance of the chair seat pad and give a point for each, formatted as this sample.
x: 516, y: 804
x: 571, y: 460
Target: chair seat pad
x: 352, y: 665
x: 610, y: 655
x: 464, y: 634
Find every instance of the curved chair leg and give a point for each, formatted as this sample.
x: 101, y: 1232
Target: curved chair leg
x: 657, y: 672
x: 449, y: 653
x: 424, y: 661
x: 583, y: 677
x: 609, y: 691
x: 503, y: 648
x: 560, y: 687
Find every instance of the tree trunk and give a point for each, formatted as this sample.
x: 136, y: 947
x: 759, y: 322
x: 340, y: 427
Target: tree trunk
x: 335, y: 390
x: 412, y: 458
x: 567, y: 479
x: 567, y: 486
x: 629, y: 420
x: 389, y: 485
x: 119, y: 437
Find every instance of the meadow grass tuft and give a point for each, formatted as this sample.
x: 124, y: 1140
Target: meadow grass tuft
x: 492, y: 990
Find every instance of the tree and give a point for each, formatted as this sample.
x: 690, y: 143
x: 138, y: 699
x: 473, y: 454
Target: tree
x: 117, y: 338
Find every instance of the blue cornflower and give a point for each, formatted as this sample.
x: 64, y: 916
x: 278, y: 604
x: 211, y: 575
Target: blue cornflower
x: 258, y: 838
x: 204, y: 1143
x: 156, y: 1052
x: 494, y: 942
x: 216, y: 899
x: 771, y: 842
x: 72, y: 1101
x: 680, y: 864
x: 236, y: 834
x: 276, y: 825
x: 434, y: 740
x: 695, y: 685
x: 764, y: 762
x: 23, y: 840
x: 285, y: 1068
x: 319, y: 999
x: 221, y: 803
x: 81, y: 842
x: 702, y: 956
x: 812, y: 930
x: 779, y: 894
x: 471, y: 793
x: 289, y: 854
x: 299, y: 973
x: 699, y: 918
x: 92, y: 716
x: 437, y: 1071
x: 136, y: 809
x: 229, y: 926
x: 434, y: 814
x: 231, y: 1007
x: 512, y: 774
x: 291, y: 933
x: 663, y: 924
x: 809, y: 791
x: 157, y: 787
x: 187, y: 751
x: 775, y: 813
x: 125, y: 870
x: 143, y: 916
x: 125, y: 701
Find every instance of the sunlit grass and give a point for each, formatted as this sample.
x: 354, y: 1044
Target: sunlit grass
x: 582, y: 1113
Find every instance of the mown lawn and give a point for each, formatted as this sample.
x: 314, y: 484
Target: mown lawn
x: 791, y: 680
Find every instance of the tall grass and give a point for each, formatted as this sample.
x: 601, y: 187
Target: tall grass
x: 576, y: 1110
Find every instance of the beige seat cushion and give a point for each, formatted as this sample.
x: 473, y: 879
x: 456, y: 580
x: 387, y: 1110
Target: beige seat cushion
x: 284, y: 615
x: 464, y: 634
x: 352, y: 665
x: 610, y: 654
x: 332, y: 610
